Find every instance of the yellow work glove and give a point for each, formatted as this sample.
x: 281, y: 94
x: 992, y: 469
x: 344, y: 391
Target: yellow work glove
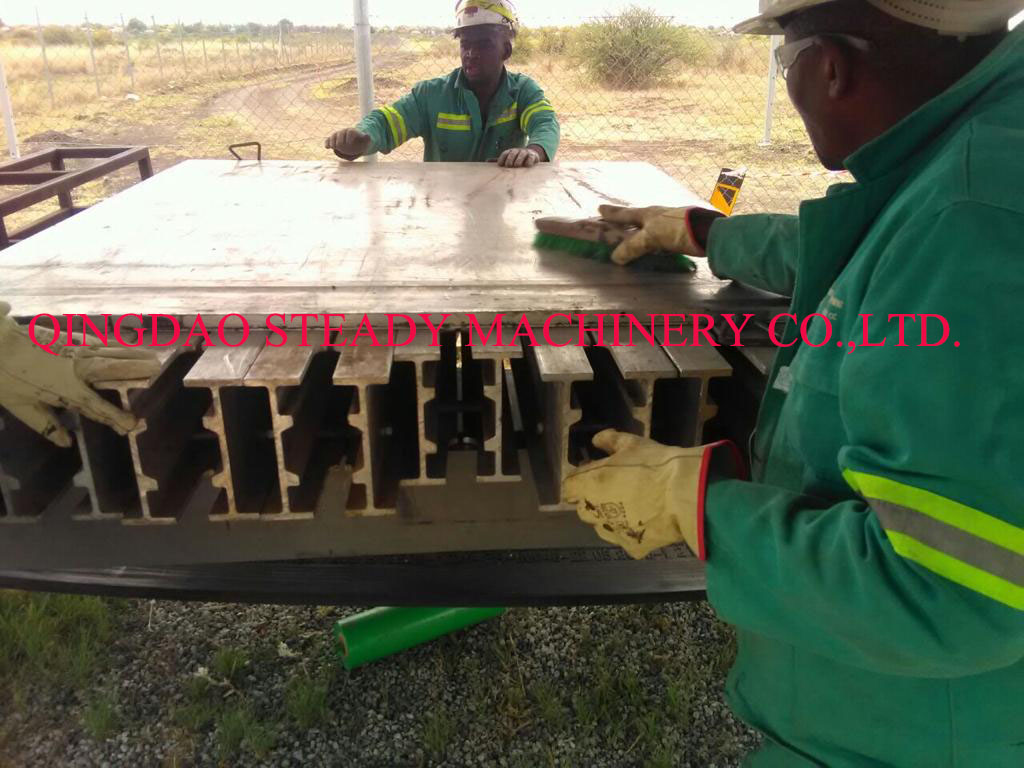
x: 661, y: 229
x: 33, y: 382
x: 646, y: 495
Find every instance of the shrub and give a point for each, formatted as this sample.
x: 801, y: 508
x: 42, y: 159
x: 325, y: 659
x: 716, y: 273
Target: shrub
x: 54, y: 35
x: 102, y: 36
x: 635, y: 49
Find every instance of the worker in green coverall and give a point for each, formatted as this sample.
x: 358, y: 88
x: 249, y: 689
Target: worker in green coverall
x: 874, y: 565
x: 479, y: 112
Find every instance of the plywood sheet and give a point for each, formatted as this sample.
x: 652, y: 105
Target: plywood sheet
x: 219, y: 237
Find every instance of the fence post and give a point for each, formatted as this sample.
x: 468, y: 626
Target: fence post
x: 206, y: 61
x: 181, y: 45
x: 46, y: 63
x: 364, y: 63
x: 159, y: 56
x: 128, y: 53
x: 92, y: 54
x: 8, y: 110
x: 769, y: 107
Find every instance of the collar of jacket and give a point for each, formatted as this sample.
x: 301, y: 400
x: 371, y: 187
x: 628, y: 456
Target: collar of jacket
x: 832, y: 227
x: 1000, y: 74
x: 503, y: 97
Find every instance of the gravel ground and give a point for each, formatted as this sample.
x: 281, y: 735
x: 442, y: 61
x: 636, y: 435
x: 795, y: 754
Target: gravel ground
x: 206, y: 685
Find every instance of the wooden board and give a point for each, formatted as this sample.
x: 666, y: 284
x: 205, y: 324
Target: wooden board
x: 219, y: 237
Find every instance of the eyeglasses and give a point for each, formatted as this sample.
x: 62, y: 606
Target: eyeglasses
x: 786, y: 55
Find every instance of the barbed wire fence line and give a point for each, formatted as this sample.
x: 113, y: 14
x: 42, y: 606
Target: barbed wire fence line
x: 629, y: 87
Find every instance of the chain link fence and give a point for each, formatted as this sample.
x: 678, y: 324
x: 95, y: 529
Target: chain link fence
x: 636, y: 86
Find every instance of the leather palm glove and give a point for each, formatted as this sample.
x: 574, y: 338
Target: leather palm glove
x: 646, y: 495
x: 674, y: 230
x: 33, y: 382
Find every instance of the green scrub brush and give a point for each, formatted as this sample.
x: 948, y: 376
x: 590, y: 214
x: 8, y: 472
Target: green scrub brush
x: 596, y: 239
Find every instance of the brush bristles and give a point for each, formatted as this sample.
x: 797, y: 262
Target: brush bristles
x: 573, y: 247
x: 653, y: 262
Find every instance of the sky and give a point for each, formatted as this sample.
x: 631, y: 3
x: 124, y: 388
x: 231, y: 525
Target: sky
x: 719, y: 13
x: 382, y: 12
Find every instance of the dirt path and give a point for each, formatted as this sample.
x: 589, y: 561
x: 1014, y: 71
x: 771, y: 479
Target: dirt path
x: 286, y: 109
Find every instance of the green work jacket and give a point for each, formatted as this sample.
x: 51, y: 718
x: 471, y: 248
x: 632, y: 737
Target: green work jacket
x: 446, y: 113
x: 874, y: 566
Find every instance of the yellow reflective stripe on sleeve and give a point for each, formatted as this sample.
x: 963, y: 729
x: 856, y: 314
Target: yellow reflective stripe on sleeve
x: 958, y: 571
x: 402, y: 133
x: 539, y: 106
x: 944, y: 510
x: 402, y: 125
x: 966, y: 546
x: 396, y: 122
x: 391, y: 123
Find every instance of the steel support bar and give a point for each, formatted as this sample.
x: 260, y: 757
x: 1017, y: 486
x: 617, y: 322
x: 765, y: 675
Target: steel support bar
x: 75, y: 178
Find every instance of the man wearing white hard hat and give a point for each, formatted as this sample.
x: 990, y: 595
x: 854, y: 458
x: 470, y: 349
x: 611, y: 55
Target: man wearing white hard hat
x: 477, y: 113
x: 874, y: 565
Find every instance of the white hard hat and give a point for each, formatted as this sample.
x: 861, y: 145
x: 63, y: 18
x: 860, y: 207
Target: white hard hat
x: 472, y: 13
x: 949, y: 17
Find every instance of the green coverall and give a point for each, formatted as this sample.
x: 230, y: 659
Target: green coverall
x: 446, y: 113
x: 874, y: 568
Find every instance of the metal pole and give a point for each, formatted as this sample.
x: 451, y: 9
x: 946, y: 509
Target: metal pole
x: 364, y: 62
x: 181, y: 45
x: 769, y: 107
x: 8, y: 110
x: 92, y: 54
x: 280, y: 42
x: 156, y: 39
x: 128, y: 52
x: 46, y: 63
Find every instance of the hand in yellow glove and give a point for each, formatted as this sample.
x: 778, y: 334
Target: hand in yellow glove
x: 33, y: 382
x: 646, y: 495
x: 674, y: 230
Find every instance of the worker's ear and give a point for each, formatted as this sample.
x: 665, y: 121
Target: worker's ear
x: 838, y: 68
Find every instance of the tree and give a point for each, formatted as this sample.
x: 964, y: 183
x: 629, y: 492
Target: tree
x: 136, y: 26
x: 285, y: 26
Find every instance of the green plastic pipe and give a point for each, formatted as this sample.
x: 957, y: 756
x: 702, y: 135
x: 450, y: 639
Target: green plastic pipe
x: 381, y: 632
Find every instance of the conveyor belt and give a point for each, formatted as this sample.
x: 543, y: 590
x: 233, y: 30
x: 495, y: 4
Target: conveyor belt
x: 546, y: 577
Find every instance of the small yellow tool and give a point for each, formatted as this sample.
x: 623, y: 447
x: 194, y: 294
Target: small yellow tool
x: 727, y: 190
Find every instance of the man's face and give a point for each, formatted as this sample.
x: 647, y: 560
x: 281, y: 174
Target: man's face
x: 483, y: 50
x: 812, y: 89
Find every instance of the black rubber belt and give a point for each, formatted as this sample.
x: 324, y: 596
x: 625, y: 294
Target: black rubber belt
x: 561, y: 577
